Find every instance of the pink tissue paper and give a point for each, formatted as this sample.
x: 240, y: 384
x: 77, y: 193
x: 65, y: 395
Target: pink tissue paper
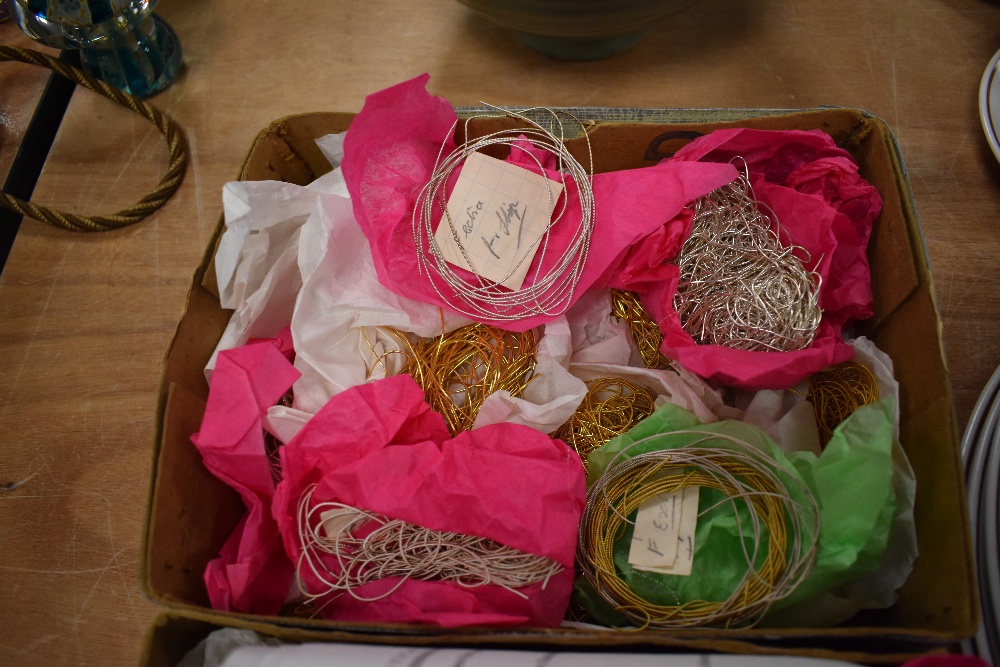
x: 380, y: 447
x: 389, y: 155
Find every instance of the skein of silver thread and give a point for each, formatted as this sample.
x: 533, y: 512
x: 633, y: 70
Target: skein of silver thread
x: 739, y: 286
x: 550, y: 293
x: 363, y: 547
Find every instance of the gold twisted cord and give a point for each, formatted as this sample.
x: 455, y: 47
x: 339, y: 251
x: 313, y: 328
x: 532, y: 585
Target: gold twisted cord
x: 166, y: 125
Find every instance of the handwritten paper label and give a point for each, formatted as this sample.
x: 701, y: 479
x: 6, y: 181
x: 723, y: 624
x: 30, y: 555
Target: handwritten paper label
x: 498, y: 213
x: 663, y: 539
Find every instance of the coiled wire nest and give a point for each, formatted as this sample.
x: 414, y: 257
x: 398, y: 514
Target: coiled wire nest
x: 739, y: 286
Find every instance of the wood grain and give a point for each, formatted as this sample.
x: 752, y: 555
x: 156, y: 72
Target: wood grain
x: 85, y: 320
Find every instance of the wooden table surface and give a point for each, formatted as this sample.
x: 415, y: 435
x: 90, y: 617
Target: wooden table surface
x: 85, y: 319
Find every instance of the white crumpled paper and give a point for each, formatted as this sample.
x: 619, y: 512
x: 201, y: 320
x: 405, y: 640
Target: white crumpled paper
x: 270, y: 246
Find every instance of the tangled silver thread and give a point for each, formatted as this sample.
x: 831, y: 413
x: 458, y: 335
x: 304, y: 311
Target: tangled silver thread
x: 550, y: 293
x: 739, y: 286
x: 394, y: 548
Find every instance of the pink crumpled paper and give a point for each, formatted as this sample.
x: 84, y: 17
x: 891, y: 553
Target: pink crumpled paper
x: 823, y: 205
x: 380, y: 447
x: 389, y: 155
x: 252, y: 573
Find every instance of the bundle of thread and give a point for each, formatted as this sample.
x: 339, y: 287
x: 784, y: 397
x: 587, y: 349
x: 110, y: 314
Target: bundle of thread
x: 611, y: 407
x: 367, y: 547
x: 836, y: 393
x: 739, y: 287
x: 645, y: 332
x: 459, y: 369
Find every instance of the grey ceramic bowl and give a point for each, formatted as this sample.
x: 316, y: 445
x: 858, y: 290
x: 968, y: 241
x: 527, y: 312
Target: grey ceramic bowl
x: 578, y: 29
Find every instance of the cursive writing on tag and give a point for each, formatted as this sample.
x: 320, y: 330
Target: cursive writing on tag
x: 495, y: 217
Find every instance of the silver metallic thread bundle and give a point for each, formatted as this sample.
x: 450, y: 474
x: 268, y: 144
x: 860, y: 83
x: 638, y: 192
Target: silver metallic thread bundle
x: 739, y: 286
x: 367, y: 546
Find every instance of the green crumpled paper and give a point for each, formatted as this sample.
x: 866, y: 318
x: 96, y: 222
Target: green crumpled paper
x: 851, y: 482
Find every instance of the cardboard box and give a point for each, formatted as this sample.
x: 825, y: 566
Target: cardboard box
x: 191, y: 513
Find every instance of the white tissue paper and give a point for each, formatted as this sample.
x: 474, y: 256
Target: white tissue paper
x: 269, y: 248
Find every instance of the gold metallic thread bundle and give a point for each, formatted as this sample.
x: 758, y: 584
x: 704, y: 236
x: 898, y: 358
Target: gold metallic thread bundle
x: 459, y: 369
x: 611, y: 407
x: 789, y: 529
x: 739, y: 286
x: 645, y: 332
x: 836, y: 393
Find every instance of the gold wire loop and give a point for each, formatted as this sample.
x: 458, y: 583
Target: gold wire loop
x: 645, y: 332
x: 459, y: 369
x: 611, y: 407
x: 836, y: 393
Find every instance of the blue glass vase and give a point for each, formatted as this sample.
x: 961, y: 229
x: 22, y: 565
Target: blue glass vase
x: 120, y: 41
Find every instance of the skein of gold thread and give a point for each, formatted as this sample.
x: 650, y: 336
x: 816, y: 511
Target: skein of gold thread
x: 838, y: 392
x: 611, y: 407
x: 459, y: 369
x: 645, y: 333
x: 740, y: 475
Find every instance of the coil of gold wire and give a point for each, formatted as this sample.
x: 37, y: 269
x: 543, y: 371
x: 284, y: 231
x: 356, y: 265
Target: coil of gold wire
x: 611, y: 407
x: 645, y: 333
x: 836, y: 393
x: 744, y: 475
x: 459, y: 369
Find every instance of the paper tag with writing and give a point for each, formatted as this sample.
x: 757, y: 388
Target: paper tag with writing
x: 498, y: 213
x: 335, y: 521
x: 665, y: 526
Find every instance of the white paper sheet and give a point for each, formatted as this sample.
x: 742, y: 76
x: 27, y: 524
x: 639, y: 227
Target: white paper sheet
x: 352, y: 655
